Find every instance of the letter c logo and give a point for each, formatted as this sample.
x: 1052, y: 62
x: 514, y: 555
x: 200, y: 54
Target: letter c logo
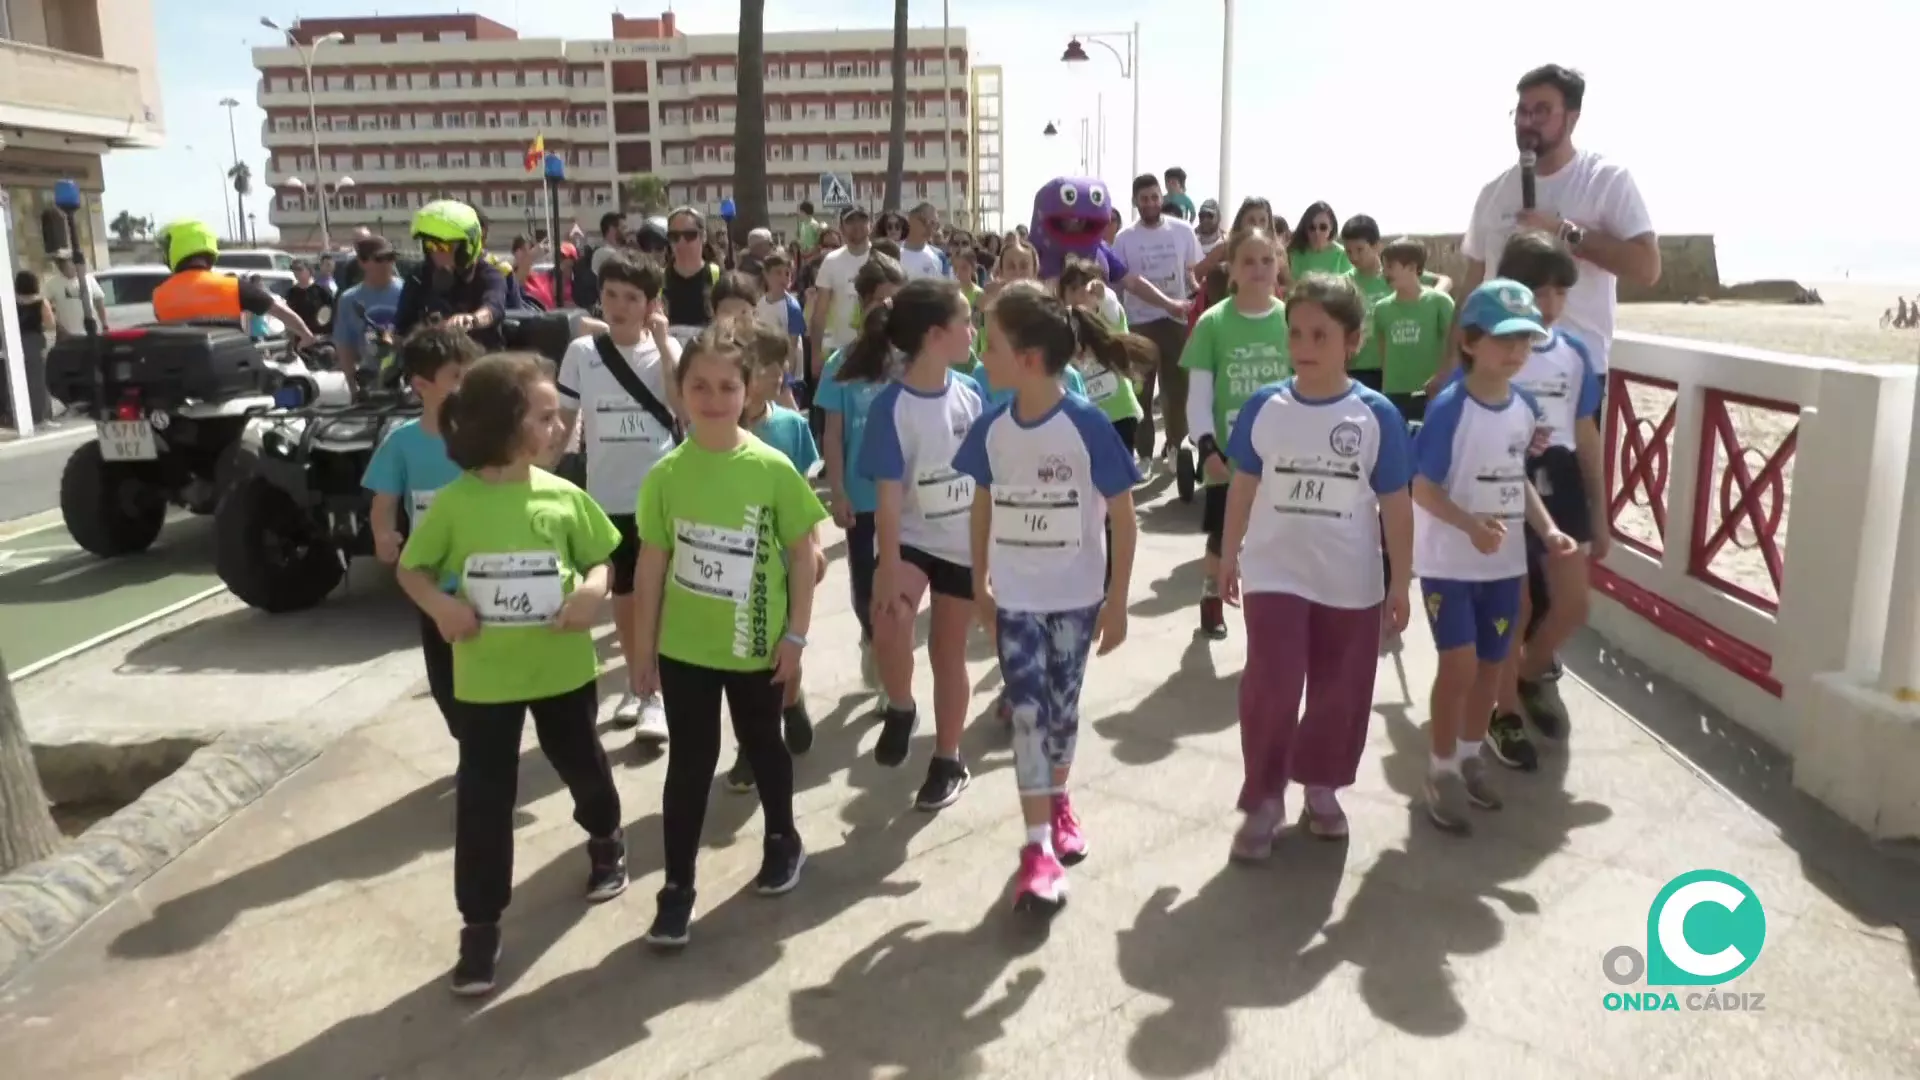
x: 1728, y: 928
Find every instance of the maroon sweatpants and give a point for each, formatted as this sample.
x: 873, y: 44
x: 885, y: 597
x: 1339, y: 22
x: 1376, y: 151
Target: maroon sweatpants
x: 1296, y: 645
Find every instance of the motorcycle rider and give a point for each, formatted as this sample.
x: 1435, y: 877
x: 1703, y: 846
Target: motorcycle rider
x: 455, y: 281
x: 197, y: 291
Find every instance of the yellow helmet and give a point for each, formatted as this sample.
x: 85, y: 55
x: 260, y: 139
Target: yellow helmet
x: 182, y: 240
x: 450, y: 222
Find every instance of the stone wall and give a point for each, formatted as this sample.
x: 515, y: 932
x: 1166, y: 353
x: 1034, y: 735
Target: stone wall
x: 1689, y: 267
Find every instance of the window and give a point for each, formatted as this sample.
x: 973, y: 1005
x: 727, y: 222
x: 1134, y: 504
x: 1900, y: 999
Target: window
x: 408, y: 39
x: 814, y: 69
x: 843, y: 70
x: 453, y: 35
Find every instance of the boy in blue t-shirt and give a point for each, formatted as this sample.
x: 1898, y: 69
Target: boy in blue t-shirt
x: 410, y: 465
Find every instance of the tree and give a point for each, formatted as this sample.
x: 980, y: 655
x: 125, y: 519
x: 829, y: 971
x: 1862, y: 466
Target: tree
x: 242, y: 176
x: 750, y: 124
x: 897, y: 137
x: 647, y: 195
x: 125, y: 227
x: 27, y: 832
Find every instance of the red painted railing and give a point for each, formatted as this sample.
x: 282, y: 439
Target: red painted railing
x: 1638, y: 451
x: 1758, y: 502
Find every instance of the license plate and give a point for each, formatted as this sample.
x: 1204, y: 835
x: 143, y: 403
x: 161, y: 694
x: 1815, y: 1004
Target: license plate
x: 127, y: 440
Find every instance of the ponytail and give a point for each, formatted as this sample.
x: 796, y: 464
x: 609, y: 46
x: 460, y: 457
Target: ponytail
x: 866, y: 359
x: 1122, y: 354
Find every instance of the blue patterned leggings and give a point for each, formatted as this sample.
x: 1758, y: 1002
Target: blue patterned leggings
x: 1043, y: 659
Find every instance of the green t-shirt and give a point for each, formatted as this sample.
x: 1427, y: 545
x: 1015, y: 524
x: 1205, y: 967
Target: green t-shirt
x: 1329, y: 260
x: 1410, y: 339
x: 517, y: 550
x: 1373, y: 289
x: 1111, y: 391
x: 725, y: 522
x: 1180, y: 204
x: 1243, y: 352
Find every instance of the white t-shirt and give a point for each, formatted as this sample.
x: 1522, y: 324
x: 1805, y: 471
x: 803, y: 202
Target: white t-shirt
x: 1590, y: 191
x: 1323, y: 465
x: 911, y: 438
x: 621, y: 439
x: 837, y: 270
x: 1110, y: 309
x: 71, y: 299
x: 925, y: 262
x: 1559, y: 375
x: 1477, y: 454
x: 1051, y: 479
x: 1163, y: 254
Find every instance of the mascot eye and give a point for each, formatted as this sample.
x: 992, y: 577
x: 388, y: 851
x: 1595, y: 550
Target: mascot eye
x: 1097, y: 197
x: 1069, y: 195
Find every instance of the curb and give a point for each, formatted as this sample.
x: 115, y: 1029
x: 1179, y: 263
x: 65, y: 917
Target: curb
x: 42, y: 904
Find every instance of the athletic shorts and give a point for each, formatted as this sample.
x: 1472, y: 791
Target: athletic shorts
x: 1563, y: 490
x: 626, y: 557
x: 944, y: 577
x: 1477, y: 613
x: 1213, y: 516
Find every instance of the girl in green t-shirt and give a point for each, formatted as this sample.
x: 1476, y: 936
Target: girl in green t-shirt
x: 1082, y: 286
x: 722, y: 518
x: 1315, y: 249
x: 529, y: 552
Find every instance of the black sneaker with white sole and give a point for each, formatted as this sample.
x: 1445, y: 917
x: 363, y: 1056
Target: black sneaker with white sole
x: 946, y: 779
x: 1542, y: 702
x: 781, y: 858
x: 473, y: 973
x: 671, y: 918
x: 1507, y: 740
x: 607, y: 876
x: 896, y: 734
x: 797, y: 727
x: 740, y: 774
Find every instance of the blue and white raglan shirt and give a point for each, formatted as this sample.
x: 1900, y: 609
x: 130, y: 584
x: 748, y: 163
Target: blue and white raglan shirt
x: 1050, y: 479
x: 911, y: 437
x: 1475, y: 452
x: 1560, y: 376
x: 411, y: 464
x: 1323, y: 464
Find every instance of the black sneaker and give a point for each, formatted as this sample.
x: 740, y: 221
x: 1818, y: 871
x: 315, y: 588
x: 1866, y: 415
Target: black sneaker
x: 946, y: 779
x: 479, y: 955
x: 1544, y: 707
x: 740, y: 775
x: 799, y: 728
x: 608, y: 876
x: 1213, y: 618
x: 1507, y: 739
x: 671, y: 918
x: 896, y: 734
x: 780, y: 862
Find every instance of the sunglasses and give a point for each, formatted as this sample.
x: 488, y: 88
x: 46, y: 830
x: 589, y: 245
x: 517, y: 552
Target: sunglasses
x: 438, y: 245
x: 1320, y: 226
x: 678, y: 235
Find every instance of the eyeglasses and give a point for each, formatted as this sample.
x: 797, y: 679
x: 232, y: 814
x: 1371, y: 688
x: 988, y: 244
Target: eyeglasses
x: 1321, y: 226
x: 1536, y: 113
x: 679, y: 235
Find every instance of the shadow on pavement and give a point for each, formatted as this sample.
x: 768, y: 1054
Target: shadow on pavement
x: 364, y: 620
x: 1877, y: 884
x: 1196, y: 700
x: 1179, y: 589
x: 184, y: 547
x: 1168, y: 515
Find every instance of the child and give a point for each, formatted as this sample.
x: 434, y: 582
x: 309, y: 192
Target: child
x: 734, y: 294
x: 1321, y: 463
x: 1360, y: 236
x: 913, y: 429
x: 786, y: 431
x: 966, y: 271
x: 1049, y: 473
x: 1237, y: 347
x: 618, y: 386
x: 722, y: 518
x: 529, y: 552
x: 1568, y: 475
x: 412, y: 464
x: 1112, y: 391
x: 847, y: 403
x: 1410, y: 327
x: 779, y: 310
x: 1471, y: 495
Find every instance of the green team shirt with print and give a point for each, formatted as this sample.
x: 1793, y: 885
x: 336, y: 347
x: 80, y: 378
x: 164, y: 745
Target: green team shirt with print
x: 1373, y: 289
x: 554, y: 529
x: 725, y: 521
x: 1410, y: 339
x: 1331, y: 259
x: 1242, y: 352
x: 1112, y: 391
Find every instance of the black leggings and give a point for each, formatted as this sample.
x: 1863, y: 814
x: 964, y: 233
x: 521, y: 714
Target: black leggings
x: 488, y: 788
x: 438, y: 655
x: 863, y: 558
x: 1126, y: 429
x: 691, y: 694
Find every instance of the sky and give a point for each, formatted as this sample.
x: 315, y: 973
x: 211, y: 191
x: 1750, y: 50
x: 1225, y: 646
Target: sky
x: 1783, y: 134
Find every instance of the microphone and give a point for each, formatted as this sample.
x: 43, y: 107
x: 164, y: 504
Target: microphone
x: 1527, y: 197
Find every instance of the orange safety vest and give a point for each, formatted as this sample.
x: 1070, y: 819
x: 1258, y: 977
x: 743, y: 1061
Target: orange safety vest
x: 197, y: 294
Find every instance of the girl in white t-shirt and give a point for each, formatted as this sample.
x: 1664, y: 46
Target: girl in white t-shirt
x: 1320, y: 464
x: 1049, y: 473
x: 913, y: 428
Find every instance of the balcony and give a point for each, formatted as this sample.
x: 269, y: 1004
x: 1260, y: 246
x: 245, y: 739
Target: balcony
x: 439, y: 174
x: 407, y: 95
x: 50, y: 90
x: 787, y: 169
x: 294, y: 138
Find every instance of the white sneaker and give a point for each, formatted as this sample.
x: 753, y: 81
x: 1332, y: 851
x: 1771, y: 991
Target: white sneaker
x: 627, y: 713
x: 653, y: 721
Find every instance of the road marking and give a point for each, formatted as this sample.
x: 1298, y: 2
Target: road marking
x: 27, y: 526
x: 33, y: 444
x: 119, y: 631
x: 14, y: 560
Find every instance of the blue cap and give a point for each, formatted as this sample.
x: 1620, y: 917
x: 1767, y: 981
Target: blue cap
x: 1500, y: 307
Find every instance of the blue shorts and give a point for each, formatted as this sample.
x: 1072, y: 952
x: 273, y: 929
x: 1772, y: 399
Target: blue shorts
x: 1477, y: 613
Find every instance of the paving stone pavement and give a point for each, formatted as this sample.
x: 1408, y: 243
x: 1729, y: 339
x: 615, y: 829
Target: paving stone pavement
x: 311, y: 935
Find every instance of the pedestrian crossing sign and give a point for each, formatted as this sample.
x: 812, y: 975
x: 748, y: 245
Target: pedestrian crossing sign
x: 836, y: 192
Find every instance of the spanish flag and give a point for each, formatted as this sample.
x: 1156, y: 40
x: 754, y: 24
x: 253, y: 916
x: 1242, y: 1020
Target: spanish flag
x: 537, y: 152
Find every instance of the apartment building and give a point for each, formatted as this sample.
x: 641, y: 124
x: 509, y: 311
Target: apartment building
x: 409, y: 109
x: 78, y: 80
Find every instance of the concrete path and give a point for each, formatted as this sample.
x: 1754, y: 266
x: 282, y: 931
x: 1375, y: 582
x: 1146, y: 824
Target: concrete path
x: 311, y: 936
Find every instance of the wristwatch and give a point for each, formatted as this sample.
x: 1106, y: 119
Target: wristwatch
x: 1572, y: 234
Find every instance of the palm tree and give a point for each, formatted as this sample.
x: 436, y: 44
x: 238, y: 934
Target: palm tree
x: 27, y: 832
x: 750, y: 124
x: 242, y: 176
x: 647, y: 195
x: 125, y: 227
x: 897, y: 137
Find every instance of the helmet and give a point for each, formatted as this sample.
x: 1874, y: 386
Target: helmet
x: 651, y: 237
x: 450, y: 222
x: 182, y: 240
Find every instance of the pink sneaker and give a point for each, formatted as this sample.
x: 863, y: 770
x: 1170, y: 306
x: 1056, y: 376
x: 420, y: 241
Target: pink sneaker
x: 1042, y: 884
x: 1068, y: 841
x: 1253, y: 841
x: 1323, y: 815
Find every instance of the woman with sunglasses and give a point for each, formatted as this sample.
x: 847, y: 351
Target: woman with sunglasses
x: 690, y: 274
x: 456, y: 281
x: 891, y: 226
x: 1315, y: 248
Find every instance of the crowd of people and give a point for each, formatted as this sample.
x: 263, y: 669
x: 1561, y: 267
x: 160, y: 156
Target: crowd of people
x: 978, y: 432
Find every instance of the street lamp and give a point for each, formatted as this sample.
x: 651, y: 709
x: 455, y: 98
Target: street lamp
x: 313, y: 120
x: 239, y: 200
x: 326, y: 193
x: 1129, y: 70
x: 1226, y: 99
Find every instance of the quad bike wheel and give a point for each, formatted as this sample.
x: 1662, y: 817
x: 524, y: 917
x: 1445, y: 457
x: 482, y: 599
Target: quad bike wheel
x: 110, y: 507
x: 1183, y: 472
x: 271, y: 553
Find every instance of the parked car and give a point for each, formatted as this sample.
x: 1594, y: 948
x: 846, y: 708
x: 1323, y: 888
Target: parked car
x: 253, y: 259
x: 129, y: 291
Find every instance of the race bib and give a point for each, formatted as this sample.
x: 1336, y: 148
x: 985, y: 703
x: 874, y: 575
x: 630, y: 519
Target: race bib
x: 523, y: 588
x: 421, y: 502
x: 621, y: 424
x: 1102, y: 385
x: 1037, y: 519
x: 1500, y: 493
x: 1314, y: 492
x: 942, y: 493
x: 712, y: 561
